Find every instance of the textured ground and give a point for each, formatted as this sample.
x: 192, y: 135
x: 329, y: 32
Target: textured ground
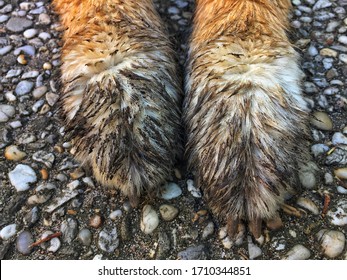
x: 62, y: 198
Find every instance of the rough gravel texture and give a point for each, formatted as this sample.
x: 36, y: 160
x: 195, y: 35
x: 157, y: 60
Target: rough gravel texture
x: 64, y: 200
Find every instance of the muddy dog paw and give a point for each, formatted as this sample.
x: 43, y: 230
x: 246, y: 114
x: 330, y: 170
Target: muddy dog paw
x: 121, y: 93
x: 245, y: 116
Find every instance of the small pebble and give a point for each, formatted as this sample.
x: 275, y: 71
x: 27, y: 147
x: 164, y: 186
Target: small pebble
x: 18, y: 24
x: 54, y: 245
x: 339, y: 138
x: 30, y: 74
x: 30, y: 33
x: 23, y: 242
x: 332, y: 242
x: 150, y: 219
x: 47, y: 66
x: 44, y: 19
x: 85, y: 236
x: 341, y: 173
x: 58, y: 201
x: 31, y: 217
x: 328, y: 52
x: 341, y: 190
x: 10, y: 97
x: 192, y: 253
x: 88, y: 181
x: 13, y: 153
x: 46, y: 186
x: 338, y: 215
x: 253, y: 250
x: 22, y: 176
x: 115, y: 215
x: 307, y: 175
x: 22, y: 60
x: 38, y: 199
x: 298, y: 252
x: 168, y: 212
x: 44, y: 174
x: 69, y: 229
x: 24, y: 87
x: 322, y: 121
x: 6, y: 112
x: 13, y: 73
x: 308, y: 204
x: 192, y: 189
x: 51, y: 98
x: 27, y: 49
x: 95, y: 221
x: 5, y: 50
x: 319, y: 149
x: 227, y: 243
x: 45, y: 158
x: 108, y: 240
x: 8, y: 231
x: 170, y: 191
x: 73, y: 185
x: 39, y: 92
x: 208, y: 231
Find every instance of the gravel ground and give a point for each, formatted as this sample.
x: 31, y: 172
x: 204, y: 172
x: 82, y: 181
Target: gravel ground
x: 43, y: 191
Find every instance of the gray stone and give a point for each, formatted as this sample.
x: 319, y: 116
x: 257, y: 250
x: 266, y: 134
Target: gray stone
x: 24, y: 87
x: 18, y: 24
x: 69, y: 230
x: 6, y: 112
x: 5, y: 50
x: 24, y: 240
x: 193, y: 253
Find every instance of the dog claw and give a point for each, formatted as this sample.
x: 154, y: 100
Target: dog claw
x: 254, y: 227
x: 232, y: 226
x: 274, y: 223
x: 290, y: 210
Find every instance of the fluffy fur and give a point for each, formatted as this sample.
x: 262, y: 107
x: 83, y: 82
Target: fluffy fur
x: 122, y: 96
x: 244, y: 113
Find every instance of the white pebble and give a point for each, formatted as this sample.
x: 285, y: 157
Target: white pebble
x: 208, y: 230
x: 253, y: 250
x: 332, y: 242
x: 343, y: 57
x: 338, y: 216
x: 192, y: 189
x: 8, y: 231
x: 54, y: 245
x: 343, y: 39
x: 10, y: 97
x: 339, y: 138
x: 15, y: 124
x: 108, y: 240
x: 22, y: 176
x: 116, y: 214
x: 30, y: 33
x: 227, y: 242
x: 170, y: 191
x: 150, y: 219
x: 6, y: 112
x: 341, y: 190
x: 298, y: 252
